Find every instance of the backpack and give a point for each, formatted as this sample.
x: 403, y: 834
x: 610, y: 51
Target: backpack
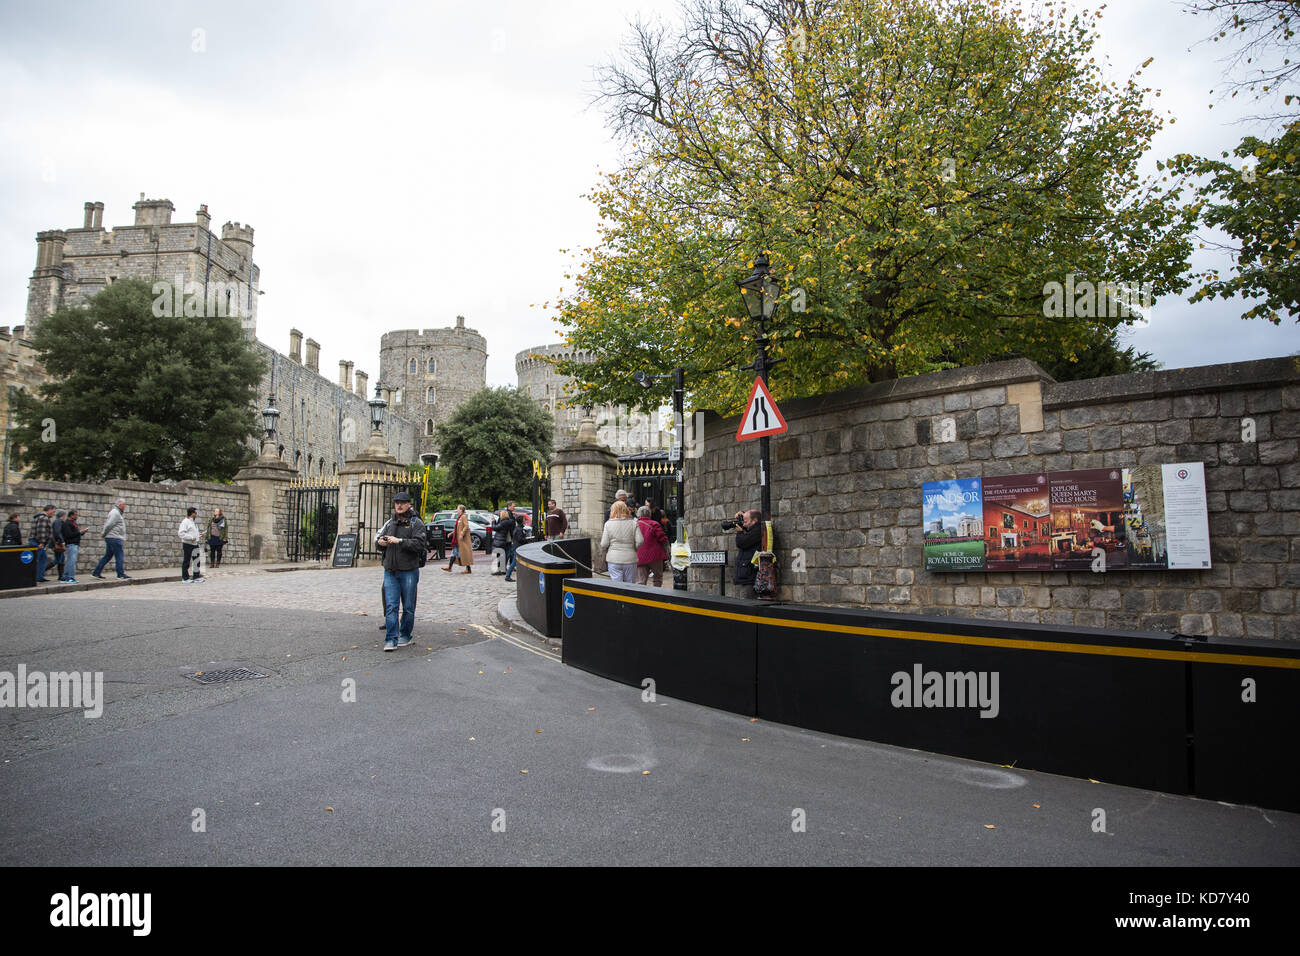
x: 521, y: 534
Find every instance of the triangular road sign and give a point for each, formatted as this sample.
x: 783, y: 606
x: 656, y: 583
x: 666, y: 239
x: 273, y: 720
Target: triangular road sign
x: 762, y: 417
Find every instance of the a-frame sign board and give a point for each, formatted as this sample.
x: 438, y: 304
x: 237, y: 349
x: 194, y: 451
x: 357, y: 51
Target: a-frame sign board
x: 762, y: 417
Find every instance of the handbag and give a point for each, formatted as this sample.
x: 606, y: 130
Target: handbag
x: 60, y: 547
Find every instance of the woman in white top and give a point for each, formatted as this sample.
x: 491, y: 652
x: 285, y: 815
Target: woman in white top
x: 619, y: 542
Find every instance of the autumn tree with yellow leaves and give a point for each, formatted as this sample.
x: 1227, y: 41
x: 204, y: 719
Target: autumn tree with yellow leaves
x: 916, y: 170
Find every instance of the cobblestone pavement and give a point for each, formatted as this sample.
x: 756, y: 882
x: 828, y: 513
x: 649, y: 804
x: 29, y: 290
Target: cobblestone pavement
x: 456, y: 598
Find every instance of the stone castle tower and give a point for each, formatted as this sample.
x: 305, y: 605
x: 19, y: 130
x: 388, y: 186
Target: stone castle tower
x: 74, y: 264
x: 429, y: 373
x: 618, y: 430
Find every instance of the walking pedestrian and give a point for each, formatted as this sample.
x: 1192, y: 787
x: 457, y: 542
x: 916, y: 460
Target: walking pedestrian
x: 464, y: 543
x: 404, y: 548
x: 653, y: 551
x: 13, y: 533
x: 114, y: 535
x: 503, y: 533
x: 619, y: 541
x: 72, y: 539
x: 59, y: 546
x: 216, y: 537
x: 42, y: 538
x: 556, y: 521
x: 189, y: 535
x: 620, y: 496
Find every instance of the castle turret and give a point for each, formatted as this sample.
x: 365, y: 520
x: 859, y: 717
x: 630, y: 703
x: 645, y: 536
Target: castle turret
x: 432, y: 371
x: 153, y: 212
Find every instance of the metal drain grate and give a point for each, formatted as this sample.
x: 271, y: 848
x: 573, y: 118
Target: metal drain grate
x: 219, y: 677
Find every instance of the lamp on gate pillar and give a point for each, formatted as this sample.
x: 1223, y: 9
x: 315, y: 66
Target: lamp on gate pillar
x: 270, y: 416
x: 679, y: 432
x: 760, y: 291
x: 377, y: 406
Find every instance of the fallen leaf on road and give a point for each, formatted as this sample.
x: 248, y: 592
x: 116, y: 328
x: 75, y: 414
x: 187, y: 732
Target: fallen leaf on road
x: 355, y: 647
x: 343, y: 658
x: 753, y: 720
x: 645, y: 773
x: 989, y: 826
x: 330, y: 809
x: 1090, y: 780
x: 471, y: 738
x: 480, y: 672
x: 745, y: 739
x: 539, y: 731
x: 591, y: 708
x: 523, y: 771
x: 1038, y: 806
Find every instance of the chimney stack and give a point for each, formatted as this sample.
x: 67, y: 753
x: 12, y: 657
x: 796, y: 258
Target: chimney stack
x: 98, y: 222
x: 460, y: 321
x: 90, y: 216
x: 313, y: 355
x: 362, y: 381
x: 203, y: 218
x: 295, y: 345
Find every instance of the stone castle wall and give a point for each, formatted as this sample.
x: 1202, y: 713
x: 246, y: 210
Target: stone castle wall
x: 459, y: 357
x: 847, y: 480
x: 153, y: 517
x: 618, y: 429
x: 19, y: 367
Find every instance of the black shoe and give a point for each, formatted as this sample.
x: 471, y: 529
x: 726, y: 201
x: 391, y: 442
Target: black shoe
x: 124, y: 576
x: 96, y: 574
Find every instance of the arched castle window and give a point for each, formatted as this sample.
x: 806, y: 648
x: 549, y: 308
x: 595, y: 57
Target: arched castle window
x: 428, y: 395
x: 428, y: 426
x: 411, y: 367
x: 432, y: 365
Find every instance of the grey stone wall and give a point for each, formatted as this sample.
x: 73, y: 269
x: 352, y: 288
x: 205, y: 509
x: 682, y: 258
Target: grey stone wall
x: 847, y: 480
x: 74, y: 264
x: 153, y: 517
x: 322, y: 424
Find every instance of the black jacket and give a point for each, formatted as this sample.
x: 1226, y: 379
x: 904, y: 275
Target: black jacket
x: 503, y: 532
x: 406, y: 554
x: 70, y: 531
x: 747, y: 542
x: 13, y: 534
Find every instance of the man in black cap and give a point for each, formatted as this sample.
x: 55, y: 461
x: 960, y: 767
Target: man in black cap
x: 404, y: 547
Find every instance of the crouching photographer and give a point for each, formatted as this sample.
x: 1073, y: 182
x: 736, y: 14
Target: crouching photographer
x: 748, y: 526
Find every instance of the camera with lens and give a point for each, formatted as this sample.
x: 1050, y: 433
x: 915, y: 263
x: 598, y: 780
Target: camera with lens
x: 730, y: 525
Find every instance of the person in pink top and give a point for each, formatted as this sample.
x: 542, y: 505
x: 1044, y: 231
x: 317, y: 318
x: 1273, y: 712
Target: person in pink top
x: 652, y: 554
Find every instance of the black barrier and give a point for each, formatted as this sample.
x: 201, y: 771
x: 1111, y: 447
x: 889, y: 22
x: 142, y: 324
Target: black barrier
x: 1215, y: 718
x: 1244, y: 706
x: 631, y: 633
x: 15, y: 572
x: 540, y: 570
x: 1106, y: 705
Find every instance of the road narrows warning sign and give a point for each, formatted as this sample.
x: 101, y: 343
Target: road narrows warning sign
x: 761, y: 417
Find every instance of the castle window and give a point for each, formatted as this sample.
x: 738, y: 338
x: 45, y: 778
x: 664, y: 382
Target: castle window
x: 397, y: 397
x: 432, y: 366
x: 428, y: 426
x: 411, y: 367
x: 428, y: 395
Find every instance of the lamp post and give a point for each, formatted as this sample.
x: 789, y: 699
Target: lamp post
x: 377, y: 406
x: 270, y: 416
x: 760, y: 291
x: 679, y: 431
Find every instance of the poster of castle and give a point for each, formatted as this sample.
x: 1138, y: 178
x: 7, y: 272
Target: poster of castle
x: 1017, y: 523
x: 1088, y: 516
x: 954, y: 526
x: 1144, y: 518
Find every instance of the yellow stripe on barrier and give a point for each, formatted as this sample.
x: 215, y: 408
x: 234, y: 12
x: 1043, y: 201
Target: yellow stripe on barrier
x: 1003, y: 642
x: 534, y: 567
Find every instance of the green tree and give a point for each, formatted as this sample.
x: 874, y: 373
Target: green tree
x: 1103, y: 359
x: 1258, y: 206
x: 139, y: 396
x: 916, y: 171
x: 489, y: 445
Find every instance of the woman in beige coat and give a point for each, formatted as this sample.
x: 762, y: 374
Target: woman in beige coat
x: 464, y: 543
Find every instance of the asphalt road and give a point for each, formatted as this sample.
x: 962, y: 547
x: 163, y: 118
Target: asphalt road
x: 468, y: 748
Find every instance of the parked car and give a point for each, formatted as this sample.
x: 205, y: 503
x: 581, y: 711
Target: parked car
x: 447, y: 526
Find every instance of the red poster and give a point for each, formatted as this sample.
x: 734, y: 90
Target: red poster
x: 1017, y: 523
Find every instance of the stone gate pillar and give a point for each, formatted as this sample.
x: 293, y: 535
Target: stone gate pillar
x: 266, y: 480
x: 585, y: 487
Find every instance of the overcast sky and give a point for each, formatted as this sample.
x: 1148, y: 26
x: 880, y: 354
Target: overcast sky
x: 405, y: 163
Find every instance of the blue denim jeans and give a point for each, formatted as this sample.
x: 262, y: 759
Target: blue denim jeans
x: 399, y: 590
x: 42, y: 559
x: 510, y: 558
x: 113, y: 549
x: 70, y: 562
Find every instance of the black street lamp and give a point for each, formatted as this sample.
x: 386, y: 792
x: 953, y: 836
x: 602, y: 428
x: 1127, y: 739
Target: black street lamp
x: 679, y: 429
x: 270, y: 416
x: 760, y: 292
x: 377, y: 406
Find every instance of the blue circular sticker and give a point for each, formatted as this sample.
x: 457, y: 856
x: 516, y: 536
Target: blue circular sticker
x: 25, y: 557
x: 541, y: 581
x: 568, y: 605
